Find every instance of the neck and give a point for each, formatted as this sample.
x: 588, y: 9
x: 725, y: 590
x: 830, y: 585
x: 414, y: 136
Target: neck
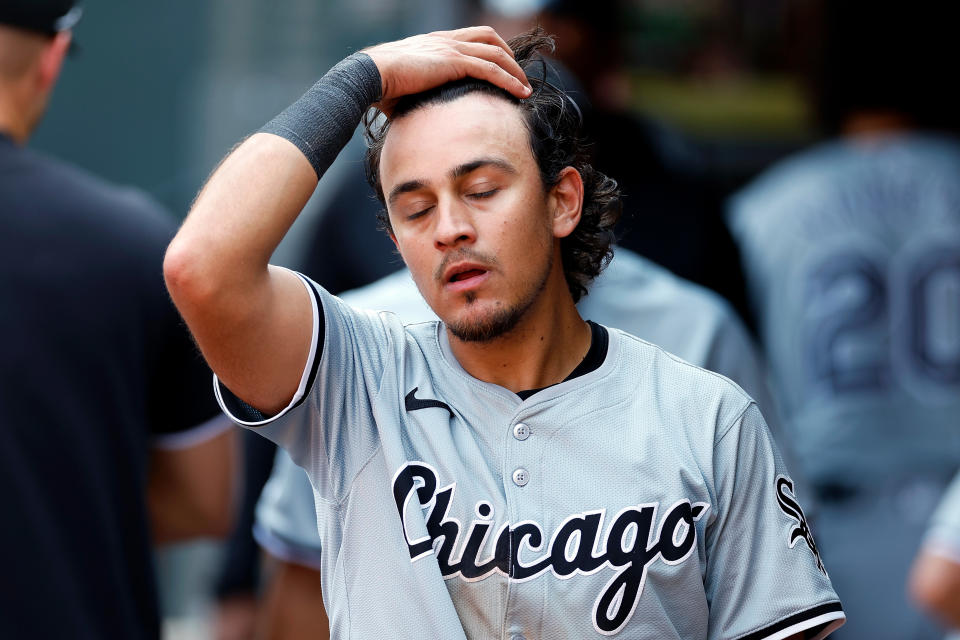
x: 543, y: 348
x: 13, y: 121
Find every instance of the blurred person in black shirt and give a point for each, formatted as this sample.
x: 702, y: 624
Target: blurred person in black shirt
x: 109, y: 435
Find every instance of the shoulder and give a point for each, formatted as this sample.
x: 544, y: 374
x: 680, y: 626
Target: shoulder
x: 947, y: 514
x: 646, y: 300
x: 677, y: 389
x: 760, y: 205
x: 835, y: 172
x: 79, y: 199
x: 636, y: 285
x: 375, y: 325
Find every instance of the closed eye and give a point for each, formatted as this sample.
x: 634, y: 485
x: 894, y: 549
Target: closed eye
x: 482, y: 194
x: 419, y: 214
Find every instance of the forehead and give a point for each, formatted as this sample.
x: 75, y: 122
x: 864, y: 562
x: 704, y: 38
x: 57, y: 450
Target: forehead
x: 428, y: 142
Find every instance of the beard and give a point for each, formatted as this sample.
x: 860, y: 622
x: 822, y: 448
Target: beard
x: 503, y: 318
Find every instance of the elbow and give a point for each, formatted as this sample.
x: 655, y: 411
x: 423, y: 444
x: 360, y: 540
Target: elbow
x: 180, y: 269
x: 189, y: 276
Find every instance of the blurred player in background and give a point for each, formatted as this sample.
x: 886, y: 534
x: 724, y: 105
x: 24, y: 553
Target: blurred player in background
x: 935, y: 576
x: 852, y: 252
x: 632, y: 294
x: 95, y: 463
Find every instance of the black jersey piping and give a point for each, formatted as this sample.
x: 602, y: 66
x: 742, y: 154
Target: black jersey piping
x: 795, y: 619
x: 236, y: 407
x: 321, y: 339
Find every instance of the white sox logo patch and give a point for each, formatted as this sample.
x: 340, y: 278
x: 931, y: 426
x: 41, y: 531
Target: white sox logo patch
x: 577, y: 547
x: 787, y: 500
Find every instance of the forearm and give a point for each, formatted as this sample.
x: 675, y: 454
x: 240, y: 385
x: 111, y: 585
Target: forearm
x: 293, y: 605
x: 190, y: 490
x: 252, y: 322
x: 254, y: 196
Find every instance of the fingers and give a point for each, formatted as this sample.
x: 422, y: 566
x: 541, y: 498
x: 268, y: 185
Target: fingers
x: 421, y: 62
x: 496, y: 65
x: 486, y: 35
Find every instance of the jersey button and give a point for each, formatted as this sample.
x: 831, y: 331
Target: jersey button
x: 521, y: 477
x: 521, y: 431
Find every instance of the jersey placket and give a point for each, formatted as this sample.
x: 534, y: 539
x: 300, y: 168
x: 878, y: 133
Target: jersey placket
x: 524, y: 486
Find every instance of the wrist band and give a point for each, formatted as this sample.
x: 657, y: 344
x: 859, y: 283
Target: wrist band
x: 322, y: 121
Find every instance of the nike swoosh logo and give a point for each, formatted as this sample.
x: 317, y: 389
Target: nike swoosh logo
x: 413, y: 403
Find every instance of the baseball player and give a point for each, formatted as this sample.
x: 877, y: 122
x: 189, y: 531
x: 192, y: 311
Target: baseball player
x: 510, y: 470
x: 935, y: 576
x: 852, y: 252
x: 632, y: 293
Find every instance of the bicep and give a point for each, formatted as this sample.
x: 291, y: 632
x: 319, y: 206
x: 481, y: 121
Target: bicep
x: 259, y: 352
x: 251, y: 320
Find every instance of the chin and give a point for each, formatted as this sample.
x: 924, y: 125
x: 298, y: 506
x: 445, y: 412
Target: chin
x: 486, y: 326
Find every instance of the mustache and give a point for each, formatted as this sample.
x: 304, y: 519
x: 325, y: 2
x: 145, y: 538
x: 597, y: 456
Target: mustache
x: 464, y: 254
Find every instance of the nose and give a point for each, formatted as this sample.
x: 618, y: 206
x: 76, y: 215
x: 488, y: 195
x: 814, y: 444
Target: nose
x: 454, y: 225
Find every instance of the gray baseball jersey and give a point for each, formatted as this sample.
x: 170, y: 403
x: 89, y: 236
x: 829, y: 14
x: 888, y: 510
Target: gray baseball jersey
x: 852, y: 253
x: 645, y: 498
x: 632, y: 293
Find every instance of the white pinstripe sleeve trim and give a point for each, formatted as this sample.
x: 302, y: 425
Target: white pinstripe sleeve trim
x: 825, y: 619
x: 836, y: 620
x: 304, y: 377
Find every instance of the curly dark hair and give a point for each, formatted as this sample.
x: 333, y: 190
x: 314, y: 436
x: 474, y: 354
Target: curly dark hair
x: 554, y: 123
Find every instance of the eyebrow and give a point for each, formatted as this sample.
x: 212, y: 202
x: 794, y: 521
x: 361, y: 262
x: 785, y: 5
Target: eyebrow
x: 405, y: 187
x: 469, y: 167
x: 458, y: 172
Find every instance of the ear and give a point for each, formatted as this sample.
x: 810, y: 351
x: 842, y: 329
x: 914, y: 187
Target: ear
x: 566, y: 202
x: 51, y: 60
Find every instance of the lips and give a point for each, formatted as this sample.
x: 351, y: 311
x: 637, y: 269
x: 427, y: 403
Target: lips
x: 465, y: 275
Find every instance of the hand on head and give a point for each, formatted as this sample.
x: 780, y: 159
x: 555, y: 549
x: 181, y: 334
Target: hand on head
x: 425, y: 61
